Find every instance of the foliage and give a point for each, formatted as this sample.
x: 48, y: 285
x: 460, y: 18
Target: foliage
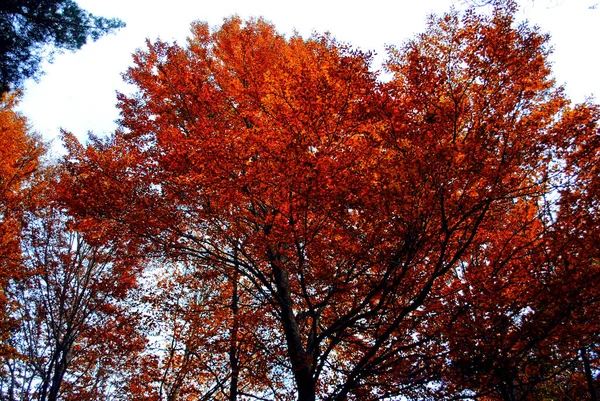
x: 391, y: 234
x: 69, y: 330
x: 30, y: 30
x: 19, y: 159
x: 278, y: 224
x: 75, y: 338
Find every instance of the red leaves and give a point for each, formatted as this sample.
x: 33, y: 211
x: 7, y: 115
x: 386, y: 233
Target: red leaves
x: 20, y: 155
x: 374, y: 231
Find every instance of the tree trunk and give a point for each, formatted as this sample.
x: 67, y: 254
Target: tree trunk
x: 301, y: 363
x: 233, y: 334
x: 59, y: 373
x: 507, y: 391
x: 589, y: 375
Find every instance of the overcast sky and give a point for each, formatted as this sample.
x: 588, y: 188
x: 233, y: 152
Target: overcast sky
x: 77, y: 91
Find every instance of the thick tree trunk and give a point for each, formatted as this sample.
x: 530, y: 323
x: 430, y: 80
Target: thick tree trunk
x: 507, y: 391
x: 57, y: 378
x: 233, y: 335
x: 589, y: 375
x: 301, y: 363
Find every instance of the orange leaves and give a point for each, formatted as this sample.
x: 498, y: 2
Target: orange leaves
x: 240, y: 115
x: 364, y: 231
x: 20, y: 151
x: 60, y: 298
x: 19, y: 159
x: 20, y: 154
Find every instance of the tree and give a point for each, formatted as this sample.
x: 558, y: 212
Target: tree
x: 341, y: 206
x: 66, y: 324
x: 510, y: 338
x: 506, y: 325
x: 31, y: 30
x: 75, y: 332
x: 205, y: 345
x: 20, y: 155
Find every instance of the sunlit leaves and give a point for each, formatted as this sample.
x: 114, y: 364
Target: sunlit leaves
x: 318, y: 228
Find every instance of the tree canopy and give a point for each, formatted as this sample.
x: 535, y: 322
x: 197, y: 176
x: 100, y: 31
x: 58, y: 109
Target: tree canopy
x: 31, y: 30
x: 272, y: 221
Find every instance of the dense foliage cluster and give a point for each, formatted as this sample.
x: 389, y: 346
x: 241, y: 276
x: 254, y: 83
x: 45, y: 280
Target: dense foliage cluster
x: 272, y: 221
x: 30, y: 30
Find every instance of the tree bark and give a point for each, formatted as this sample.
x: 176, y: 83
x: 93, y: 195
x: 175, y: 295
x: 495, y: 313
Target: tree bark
x: 507, y: 391
x: 233, y: 335
x: 589, y: 375
x: 298, y: 356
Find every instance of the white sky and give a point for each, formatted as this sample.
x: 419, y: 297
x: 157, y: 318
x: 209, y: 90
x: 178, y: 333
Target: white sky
x: 77, y: 91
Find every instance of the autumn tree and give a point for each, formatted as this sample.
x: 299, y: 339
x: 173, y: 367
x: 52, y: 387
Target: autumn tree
x: 340, y: 207
x: 577, y: 230
x: 74, y: 329
x: 527, y: 326
x: 66, y: 323
x: 204, y: 343
x: 20, y: 155
x: 514, y: 302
